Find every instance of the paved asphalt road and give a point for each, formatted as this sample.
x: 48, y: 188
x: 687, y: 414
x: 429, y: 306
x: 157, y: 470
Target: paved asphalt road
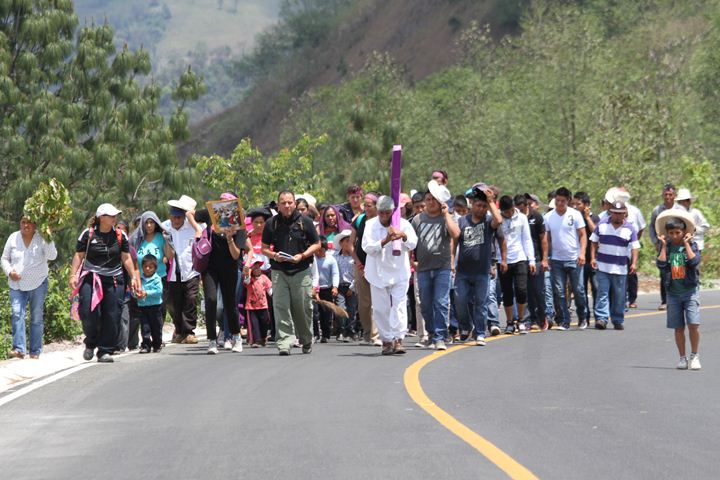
x: 566, y: 405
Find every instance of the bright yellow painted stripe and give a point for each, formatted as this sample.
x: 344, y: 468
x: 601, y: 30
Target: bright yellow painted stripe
x: 501, y: 459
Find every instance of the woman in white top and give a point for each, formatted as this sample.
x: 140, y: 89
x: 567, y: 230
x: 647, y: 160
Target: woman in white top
x: 25, y: 262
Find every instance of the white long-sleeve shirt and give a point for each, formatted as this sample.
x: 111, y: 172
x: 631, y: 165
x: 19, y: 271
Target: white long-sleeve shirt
x: 382, y: 268
x: 517, y: 238
x: 182, y: 241
x: 30, y: 262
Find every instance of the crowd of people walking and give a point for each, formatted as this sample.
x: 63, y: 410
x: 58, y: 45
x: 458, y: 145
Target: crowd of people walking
x: 300, y: 271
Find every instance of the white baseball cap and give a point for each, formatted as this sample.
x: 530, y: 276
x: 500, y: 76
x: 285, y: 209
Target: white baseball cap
x: 107, y: 209
x: 440, y: 192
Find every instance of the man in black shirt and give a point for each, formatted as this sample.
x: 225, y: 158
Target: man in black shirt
x: 290, y: 240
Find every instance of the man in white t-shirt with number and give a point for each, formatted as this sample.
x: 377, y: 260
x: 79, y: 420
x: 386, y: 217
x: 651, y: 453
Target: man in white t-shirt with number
x: 568, y: 240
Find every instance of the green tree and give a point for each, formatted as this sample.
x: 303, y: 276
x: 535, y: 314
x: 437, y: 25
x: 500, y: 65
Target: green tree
x: 74, y: 109
x: 258, y: 179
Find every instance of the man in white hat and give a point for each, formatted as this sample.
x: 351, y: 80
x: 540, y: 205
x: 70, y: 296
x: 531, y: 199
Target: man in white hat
x: 388, y: 274
x: 183, y: 280
x: 436, y: 230
x: 685, y: 200
x: 611, y: 239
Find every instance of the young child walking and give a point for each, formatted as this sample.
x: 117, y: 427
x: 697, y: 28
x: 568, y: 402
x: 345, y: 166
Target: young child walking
x: 346, y: 297
x: 328, y: 282
x: 258, y: 287
x: 678, y: 262
x: 150, y: 305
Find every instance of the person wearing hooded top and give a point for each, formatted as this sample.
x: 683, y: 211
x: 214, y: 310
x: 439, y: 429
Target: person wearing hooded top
x: 150, y: 238
x: 222, y: 276
x: 332, y: 223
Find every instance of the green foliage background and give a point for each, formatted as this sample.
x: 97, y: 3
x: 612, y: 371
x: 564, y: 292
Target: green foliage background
x: 592, y: 94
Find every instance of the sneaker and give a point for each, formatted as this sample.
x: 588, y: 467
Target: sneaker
x: 480, y: 341
x: 583, y: 324
x: 618, y: 326
x: 236, y: 344
x: 213, y: 348
x: 522, y: 328
x: 683, y: 363
x: 144, y: 349
x: 341, y: 338
x: 600, y: 324
x: 510, y: 330
x: 563, y: 327
x: 464, y: 336
x: 227, y: 345
x: 283, y: 353
x: 694, y: 363
x: 15, y: 353
x: 190, y: 339
x: 105, y: 358
x: 440, y: 345
x: 662, y: 306
x: 387, y: 348
x: 176, y: 338
x: 307, y: 349
x: 494, y: 330
x: 348, y: 339
x: 88, y: 354
x: 399, y: 349
x: 423, y: 343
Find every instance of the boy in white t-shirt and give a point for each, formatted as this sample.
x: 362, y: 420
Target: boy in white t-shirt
x: 568, y: 241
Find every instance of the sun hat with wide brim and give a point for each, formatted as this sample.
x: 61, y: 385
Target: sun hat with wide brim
x: 670, y: 213
x: 340, y: 236
x: 683, y: 194
x: 107, y: 209
x: 439, y: 192
x: 183, y: 203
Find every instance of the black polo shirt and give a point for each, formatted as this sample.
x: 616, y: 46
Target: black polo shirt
x: 290, y: 235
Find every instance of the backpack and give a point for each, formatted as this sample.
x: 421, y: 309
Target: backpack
x: 201, y: 250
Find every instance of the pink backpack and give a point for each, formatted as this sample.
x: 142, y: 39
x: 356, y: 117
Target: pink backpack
x: 201, y: 250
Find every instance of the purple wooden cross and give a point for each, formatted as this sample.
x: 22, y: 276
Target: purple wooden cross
x: 395, y: 168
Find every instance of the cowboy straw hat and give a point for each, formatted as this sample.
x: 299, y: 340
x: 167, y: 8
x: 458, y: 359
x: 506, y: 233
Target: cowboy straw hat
x: 183, y: 203
x: 340, y: 236
x: 439, y: 192
x: 678, y: 213
x: 683, y: 194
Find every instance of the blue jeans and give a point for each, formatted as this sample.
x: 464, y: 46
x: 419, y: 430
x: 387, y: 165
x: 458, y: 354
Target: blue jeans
x: 472, y: 289
x: 610, y: 303
x: 560, y: 272
x: 549, y: 298
x: 435, y: 301
x: 18, y: 303
x: 490, y: 305
x: 683, y: 309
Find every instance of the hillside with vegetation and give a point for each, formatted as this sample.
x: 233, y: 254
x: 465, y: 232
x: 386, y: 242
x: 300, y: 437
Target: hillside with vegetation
x: 212, y: 35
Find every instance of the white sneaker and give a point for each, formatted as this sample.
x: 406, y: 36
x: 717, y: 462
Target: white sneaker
x: 212, y: 348
x: 494, y: 330
x: 228, y: 344
x: 440, y: 345
x: 480, y: 341
x: 423, y: 343
x: 583, y: 325
x: 522, y: 328
x: 694, y: 361
x: 682, y: 364
x: 236, y: 345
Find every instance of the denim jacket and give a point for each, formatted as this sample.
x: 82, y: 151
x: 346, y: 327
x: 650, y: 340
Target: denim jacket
x: 692, y: 276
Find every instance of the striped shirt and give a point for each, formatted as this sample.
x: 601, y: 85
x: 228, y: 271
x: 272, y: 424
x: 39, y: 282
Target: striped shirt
x: 614, y: 246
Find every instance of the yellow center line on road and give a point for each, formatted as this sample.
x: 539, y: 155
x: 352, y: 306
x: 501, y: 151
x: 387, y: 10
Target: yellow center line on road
x: 502, y: 460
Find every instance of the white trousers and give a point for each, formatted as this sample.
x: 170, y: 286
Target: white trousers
x: 389, y: 305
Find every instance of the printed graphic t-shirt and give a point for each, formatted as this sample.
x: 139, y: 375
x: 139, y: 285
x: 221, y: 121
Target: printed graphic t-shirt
x: 677, y: 258
x: 433, y: 248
